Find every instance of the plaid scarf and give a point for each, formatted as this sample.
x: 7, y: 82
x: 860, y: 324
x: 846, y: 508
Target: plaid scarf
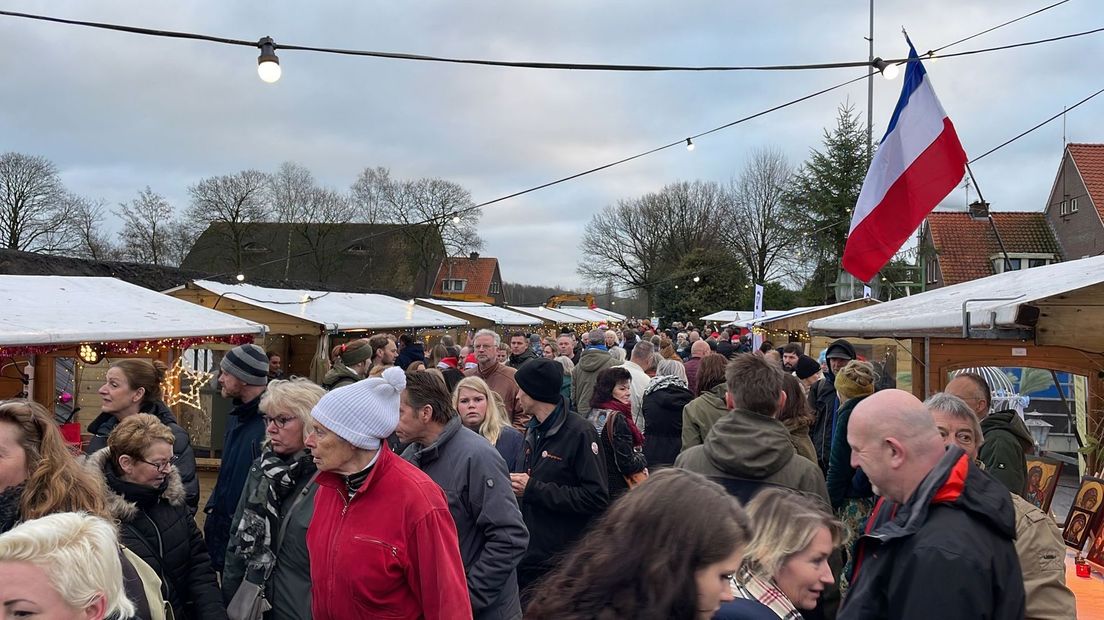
x: 749, y: 586
x: 261, y: 509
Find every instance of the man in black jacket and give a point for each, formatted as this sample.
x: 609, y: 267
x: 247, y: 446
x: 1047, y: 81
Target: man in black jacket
x: 939, y: 544
x: 825, y: 402
x: 520, y: 351
x: 564, y: 483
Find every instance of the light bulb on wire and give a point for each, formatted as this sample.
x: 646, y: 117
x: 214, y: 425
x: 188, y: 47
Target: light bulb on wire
x: 268, y: 64
x: 697, y: 278
x: 240, y: 277
x: 689, y: 145
x: 888, y: 71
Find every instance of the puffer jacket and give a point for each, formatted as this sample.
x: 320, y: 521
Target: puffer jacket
x: 339, y: 375
x: 585, y: 375
x: 102, y: 426
x: 288, y: 587
x: 700, y: 414
x: 947, y: 553
x: 1007, y: 440
x: 746, y: 451
x: 663, y: 406
x: 156, y: 525
x: 515, y: 361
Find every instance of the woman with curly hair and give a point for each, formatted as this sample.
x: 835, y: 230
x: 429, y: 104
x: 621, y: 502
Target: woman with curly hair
x: 668, y: 550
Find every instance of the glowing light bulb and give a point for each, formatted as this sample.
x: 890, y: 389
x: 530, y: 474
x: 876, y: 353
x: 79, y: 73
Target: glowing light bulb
x: 268, y: 64
x: 240, y: 277
x: 689, y: 144
x: 890, y: 72
x: 697, y: 278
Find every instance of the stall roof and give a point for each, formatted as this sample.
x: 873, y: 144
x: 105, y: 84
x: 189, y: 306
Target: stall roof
x: 590, y: 315
x: 1054, y: 297
x: 496, y: 314
x: 335, y: 310
x: 548, y: 314
x: 741, y: 317
x: 807, y: 310
x: 44, y: 310
x: 617, y: 317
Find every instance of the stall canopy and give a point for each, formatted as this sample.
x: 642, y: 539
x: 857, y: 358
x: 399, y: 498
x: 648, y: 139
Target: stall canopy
x: 338, y: 312
x: 741, y: 317
x: 1053, y: 305
x: 495, y: 314
x: 549, y: 315
x: 42, y: 311
x: 614, y: 316
x: 798, y: 318
x: 589, y: 315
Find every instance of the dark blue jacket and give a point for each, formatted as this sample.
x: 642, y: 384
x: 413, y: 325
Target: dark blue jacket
x: 245, y: 429
x: 411, y: 353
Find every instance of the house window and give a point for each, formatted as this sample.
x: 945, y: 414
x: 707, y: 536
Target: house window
x: 1063, y: 208
x: 453, y: 285
x: 496, y: 288
x: 254, y: 248
x: 1073, y: 205
x: 1020, y: 262
x: 930, y: 271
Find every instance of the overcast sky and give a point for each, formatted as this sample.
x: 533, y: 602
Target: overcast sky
x: 116, y: 112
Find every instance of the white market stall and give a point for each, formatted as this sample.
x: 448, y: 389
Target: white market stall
x: 554, y: 320
x: 55, y: 331
x: 1044, y: 317
x: 304, y: 324
x: 481, y: 315
x: 593, y: 316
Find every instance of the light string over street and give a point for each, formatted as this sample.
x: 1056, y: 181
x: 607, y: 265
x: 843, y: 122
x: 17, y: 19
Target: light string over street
x: 269, y: 68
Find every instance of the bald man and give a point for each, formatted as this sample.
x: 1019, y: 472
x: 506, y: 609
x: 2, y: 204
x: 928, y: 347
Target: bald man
x: 939, y: 543
x: 698, y: 350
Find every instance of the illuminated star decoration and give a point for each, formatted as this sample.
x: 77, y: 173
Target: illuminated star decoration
x: 176, y: 375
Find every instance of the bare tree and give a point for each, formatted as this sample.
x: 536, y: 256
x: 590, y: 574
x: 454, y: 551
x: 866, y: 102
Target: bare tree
x: 146, y: 223
x: 366, y: 195
x: 639, y: 241
x: 327, y: 210
x: 32, y: 203
x: 235, y: 201
x: 761, y: 228
x: 179, y: 239
x: 86, y: 217
x: 290, y: 190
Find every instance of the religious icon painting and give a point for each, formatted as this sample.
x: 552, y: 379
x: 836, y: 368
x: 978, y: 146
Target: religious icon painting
x: 1042, y: 481
x: 1077, y: 528
x: 1096, y: 549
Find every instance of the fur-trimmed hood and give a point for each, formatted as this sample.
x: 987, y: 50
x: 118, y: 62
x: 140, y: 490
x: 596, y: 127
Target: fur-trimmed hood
x: 123, y: 510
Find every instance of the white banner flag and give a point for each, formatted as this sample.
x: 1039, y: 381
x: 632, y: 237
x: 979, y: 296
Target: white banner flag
x: 757, y: 312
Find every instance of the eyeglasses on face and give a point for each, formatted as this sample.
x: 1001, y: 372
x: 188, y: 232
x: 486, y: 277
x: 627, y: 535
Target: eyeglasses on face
x: 280, y: 421
x: 167, y: 465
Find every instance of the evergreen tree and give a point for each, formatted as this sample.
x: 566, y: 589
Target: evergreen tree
x: 824, y: 193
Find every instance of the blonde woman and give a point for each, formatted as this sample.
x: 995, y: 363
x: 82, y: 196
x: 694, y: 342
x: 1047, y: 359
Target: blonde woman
x: 482, y: 411
x: 66, y: 566
x: 785, y: 565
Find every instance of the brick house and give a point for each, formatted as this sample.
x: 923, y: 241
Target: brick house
x: 1075, y: 208
x: 470, y: 278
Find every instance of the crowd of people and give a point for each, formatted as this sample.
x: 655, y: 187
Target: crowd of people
x: 634, y: 473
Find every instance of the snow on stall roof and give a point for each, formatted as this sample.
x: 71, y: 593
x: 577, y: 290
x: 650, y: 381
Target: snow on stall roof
x: 590, y: 315
x: 798, y: 311
x: 739, y: 317
x: 548, y: 314
x: 617, y: 317
x: 939, y: 311
x: 40, y: 310
x: 336, y: 310
x: 497, y: 314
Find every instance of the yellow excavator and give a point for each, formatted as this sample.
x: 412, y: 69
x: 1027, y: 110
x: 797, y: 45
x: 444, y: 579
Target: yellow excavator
x: 556, y: 301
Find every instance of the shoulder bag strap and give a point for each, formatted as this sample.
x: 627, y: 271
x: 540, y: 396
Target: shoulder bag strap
x: 299, y: 497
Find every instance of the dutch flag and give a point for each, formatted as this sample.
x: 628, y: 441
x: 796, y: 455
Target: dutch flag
x: 919, y: 161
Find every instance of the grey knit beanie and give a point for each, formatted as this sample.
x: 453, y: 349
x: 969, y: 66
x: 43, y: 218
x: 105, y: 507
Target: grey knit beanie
x: 364, y: 412
x: 247, y: 362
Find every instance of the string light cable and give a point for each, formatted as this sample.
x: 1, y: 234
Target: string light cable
x: 267, y: 41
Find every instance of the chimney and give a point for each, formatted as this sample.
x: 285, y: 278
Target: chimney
x: 473, y: 255
x: 979, y: 210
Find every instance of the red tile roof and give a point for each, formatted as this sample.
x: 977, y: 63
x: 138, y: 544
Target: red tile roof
x: 1089, y: 159
x: 965, y: 245
x: 479, y: 272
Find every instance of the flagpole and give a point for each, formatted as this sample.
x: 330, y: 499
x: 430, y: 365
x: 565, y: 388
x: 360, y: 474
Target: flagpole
x: 870, y: 92
x: 989, y: 216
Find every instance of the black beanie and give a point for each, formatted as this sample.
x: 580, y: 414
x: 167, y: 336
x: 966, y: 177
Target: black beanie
x: 541, y: 379
x: 806, y: 367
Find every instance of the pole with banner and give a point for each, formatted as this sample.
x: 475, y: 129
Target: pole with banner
x: 757, y: 313
x: 866, y: 292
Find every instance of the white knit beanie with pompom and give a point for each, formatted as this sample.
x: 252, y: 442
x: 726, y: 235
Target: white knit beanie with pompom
x: 366, y: 411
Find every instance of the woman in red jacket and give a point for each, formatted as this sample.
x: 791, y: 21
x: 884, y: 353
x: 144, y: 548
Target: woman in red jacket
x: 382, y: 541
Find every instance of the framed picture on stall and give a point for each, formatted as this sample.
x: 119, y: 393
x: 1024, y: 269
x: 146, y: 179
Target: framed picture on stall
x: 1077, y: 528
x: 1042, y: 480
x: 1096, y: 550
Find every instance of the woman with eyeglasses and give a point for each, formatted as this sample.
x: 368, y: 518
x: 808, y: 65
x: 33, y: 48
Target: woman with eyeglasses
x: 268, y: 536
x: 144, y: 493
